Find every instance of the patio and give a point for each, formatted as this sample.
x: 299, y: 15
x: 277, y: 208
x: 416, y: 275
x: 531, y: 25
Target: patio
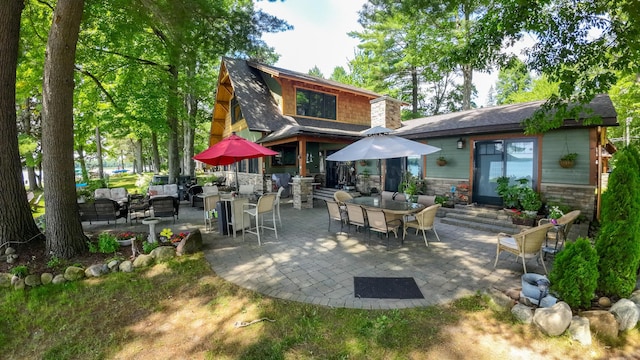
x: 309, y: 264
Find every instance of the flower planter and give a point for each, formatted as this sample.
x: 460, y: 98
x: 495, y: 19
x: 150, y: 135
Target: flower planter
x: 523, y: 221
x: 567, y: 163
x: 126, y: 242
x: 441, y: 162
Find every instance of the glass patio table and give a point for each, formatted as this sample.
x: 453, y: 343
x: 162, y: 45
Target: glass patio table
x: 393, y: 209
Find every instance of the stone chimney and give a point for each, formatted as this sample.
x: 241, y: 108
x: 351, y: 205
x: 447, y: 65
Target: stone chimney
x: 385, y: 111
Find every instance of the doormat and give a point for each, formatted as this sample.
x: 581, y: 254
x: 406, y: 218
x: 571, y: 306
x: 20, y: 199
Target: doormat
x: 386, y: 288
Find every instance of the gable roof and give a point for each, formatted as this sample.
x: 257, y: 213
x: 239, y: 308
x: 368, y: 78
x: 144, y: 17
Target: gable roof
x: 505, y: 118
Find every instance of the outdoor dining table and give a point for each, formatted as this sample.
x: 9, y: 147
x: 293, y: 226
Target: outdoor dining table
x: 393, y: 209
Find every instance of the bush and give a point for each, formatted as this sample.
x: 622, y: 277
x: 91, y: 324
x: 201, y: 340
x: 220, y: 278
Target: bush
x: 107, y: 243
x: 618, y: 242
x: 574, y: 276
x: 148, y: 247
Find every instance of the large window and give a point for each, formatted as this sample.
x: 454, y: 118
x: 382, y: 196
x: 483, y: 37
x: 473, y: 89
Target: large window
x: 315, y: 104
x: 286, y: 156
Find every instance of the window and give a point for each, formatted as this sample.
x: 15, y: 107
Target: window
x: 253, y: 166
x: 315, y: 104
x: 236, y: 113
x: 286, y: 156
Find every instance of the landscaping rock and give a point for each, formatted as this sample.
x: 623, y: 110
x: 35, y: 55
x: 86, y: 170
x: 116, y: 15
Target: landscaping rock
x: 604, y: 301
x: 5, y: 280
x: 126, y: 266
x: 635, y: 297
x: 73, y: 273
x: 59, y: 279
x: 554, y: 320
x: 9, y: 251
x: 626, y: 313
x: 96, y: 270
x: 499, y: 301
x: 19, y: 285
x: 602, y: 322
x: 523, y: 313
x: 143, y: 260
x: 11, y: 258
x: 113, y: 265
x: 163, y: 253
x: 14, y: 279
x: 579, y: 330
x: 513, y: 294
x: 191, y: 244
x: 32, y: 280
x: 46, y: 278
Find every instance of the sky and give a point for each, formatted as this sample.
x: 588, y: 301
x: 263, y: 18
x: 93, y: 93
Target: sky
x: 320, y: 37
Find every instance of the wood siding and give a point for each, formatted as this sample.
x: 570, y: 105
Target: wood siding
x: 554, y: 145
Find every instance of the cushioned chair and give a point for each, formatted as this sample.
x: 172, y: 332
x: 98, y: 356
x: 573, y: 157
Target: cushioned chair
x: 165, y: 206
x: 377, y: 221
x: 257, y: 211
x: 424, y: 220
x: 334, y: 213
x: 526, y: 244
x: 356, y: 216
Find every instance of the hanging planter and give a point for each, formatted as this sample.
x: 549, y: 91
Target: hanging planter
x: 364, y: 163
x: 441, y: 161
x: 568, y: 160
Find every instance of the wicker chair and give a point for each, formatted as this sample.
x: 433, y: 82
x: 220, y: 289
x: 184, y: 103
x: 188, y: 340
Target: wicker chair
x: 341, y: 196
x: 526, y: 244
x: 559, y: 237
x: 424, y: 220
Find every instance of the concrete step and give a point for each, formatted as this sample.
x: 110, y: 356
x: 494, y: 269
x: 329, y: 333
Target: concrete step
x: 479, y: 218
x: 489, y: 228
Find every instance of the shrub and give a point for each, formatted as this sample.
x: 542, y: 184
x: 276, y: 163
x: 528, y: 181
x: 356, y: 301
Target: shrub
x: 20, y: 271
x: 618, y: 242
x: 147, y: 247
x: 107, y: 243
x: 574, y: 276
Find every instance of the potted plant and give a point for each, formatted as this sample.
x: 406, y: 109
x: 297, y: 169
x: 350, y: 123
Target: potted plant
x: 125, y: 238
x: 530, y: 201
x: 408, y: 186
x: 441, y: 161
x: 364, y: 163
x: 568, y: 160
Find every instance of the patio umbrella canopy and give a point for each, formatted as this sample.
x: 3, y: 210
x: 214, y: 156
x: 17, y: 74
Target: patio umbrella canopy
x: 233, y: 149
x: 380, y: 145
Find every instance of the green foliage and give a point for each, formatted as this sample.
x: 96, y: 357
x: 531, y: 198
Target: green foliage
x: 569, y: 157
x: 148, y: 247
x: 107, y: 243
x: 518, y: 195
x: 618, y: 242
x: 440, y: 199
x: 20, y: 270
x: 574, y: 276
x: 54, y: 262
x: 408, y: 184
x: 513, y: 78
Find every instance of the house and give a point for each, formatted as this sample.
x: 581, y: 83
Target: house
x: 305, y: 119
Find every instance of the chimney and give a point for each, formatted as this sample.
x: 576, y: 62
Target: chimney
x: 385, y: 111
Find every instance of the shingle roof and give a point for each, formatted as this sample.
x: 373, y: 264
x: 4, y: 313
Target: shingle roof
x: 503, y: 118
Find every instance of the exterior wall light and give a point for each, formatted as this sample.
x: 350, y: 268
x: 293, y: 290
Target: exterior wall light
x: 460, y: 144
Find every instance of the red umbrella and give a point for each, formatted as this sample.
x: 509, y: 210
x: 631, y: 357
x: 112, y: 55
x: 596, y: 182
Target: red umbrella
x: 232, y: 149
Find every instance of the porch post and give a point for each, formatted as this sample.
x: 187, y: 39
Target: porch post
x: 302, y: 157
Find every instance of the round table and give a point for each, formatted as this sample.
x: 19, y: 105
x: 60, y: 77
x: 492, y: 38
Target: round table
x: 152, y: 221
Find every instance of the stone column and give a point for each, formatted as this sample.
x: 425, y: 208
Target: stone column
x: 302, y: 193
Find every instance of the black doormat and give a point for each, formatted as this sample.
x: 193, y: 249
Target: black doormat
x: 386, y: 288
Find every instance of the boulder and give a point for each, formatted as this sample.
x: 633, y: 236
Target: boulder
x: 96, y: 270
x: 602, y: 322
x: 604, y: 301
x: 579, y: 330
x: 46, y: 278
x: 11, y: 258
x: 32, y: 280
x: 523, y: 313
x: 14, y: 279
x: 143, y: 260
x: 59, y: 279
x: 513, y: 294
x: 5, y: 280
x: 635, y: 297
x: 626, y: 313
x: 554, y: 320
x: 19, y: 285
x: 163, y: 253
x: 126, y: 266
x: 113, y: 265
x: 9, y: 251
x: 191, y: 244
x: 73, y: 273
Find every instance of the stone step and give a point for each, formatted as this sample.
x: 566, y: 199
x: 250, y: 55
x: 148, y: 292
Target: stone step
x: 489, y: 228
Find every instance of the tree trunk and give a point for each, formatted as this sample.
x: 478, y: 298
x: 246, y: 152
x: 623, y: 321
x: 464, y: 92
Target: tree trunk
x: 26, y: 119
x: 65, y: 237
x: 188, y: 133
x: 172, y: 122
x: 16, y: 220
x: 99, y: 153
x: 467, y: 69
x: 414, y: 92
x: 83, y: 163
x: 156, y: 154
x: 138, y: 162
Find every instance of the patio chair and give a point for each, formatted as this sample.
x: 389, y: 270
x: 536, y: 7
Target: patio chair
x: 165, y: 206
x: 107, y: 210
x: 193, y: 191
x: 387, y: 195
x: 424, y: 220
x: 209, y: 203
x: 276, y: 204
x: 561, y: 233
x: 335, y: 214
x: 426, y: 200
x: 341, y: 196
x: 356, y: 216
x: 257, y: 211
x: 246, y: 189
x: 526, y: 244
x: 377, y: 221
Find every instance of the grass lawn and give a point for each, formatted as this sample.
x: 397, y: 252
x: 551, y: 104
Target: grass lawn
x: 181, y: 309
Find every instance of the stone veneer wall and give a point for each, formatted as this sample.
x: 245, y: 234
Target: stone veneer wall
x: 385, y: 111
x: 580, y: 197
x: 442, y: 187
x: 302, y: 193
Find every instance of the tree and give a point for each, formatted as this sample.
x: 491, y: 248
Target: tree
x: 65, y: 236
x: 315, y: 71
x: 16, y: 221
x: 512, y: 78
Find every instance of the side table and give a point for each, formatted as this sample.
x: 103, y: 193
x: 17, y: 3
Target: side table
x: 152, y: 221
